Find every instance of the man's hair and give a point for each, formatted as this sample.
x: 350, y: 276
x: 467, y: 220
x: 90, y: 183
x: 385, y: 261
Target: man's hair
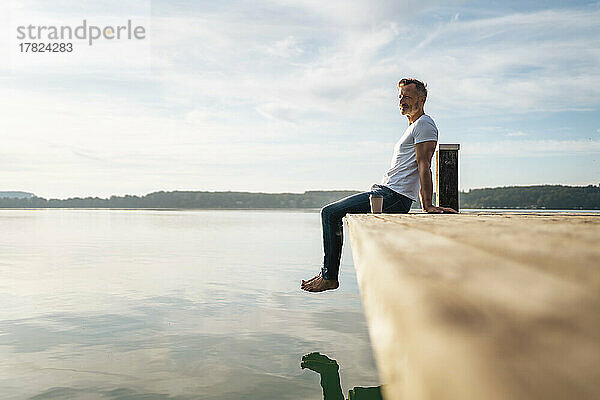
x: 421, y: 87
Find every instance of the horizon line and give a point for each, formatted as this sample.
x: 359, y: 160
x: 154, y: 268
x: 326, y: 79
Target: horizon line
x: 288, y: 192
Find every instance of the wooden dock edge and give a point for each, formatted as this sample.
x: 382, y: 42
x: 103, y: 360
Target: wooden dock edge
x: 481, y: 306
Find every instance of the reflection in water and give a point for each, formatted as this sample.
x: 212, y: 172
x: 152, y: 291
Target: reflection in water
x: 328, y: 369
x: 177, y: 305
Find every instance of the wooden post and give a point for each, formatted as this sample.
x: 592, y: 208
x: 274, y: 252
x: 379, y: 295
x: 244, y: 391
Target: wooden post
x: 446, y: 176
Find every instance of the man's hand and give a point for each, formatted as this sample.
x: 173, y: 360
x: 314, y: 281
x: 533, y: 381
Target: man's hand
x: 439, y: 210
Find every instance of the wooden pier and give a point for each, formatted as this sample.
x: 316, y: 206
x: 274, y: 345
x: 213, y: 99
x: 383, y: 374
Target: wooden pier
x: 482, y: 305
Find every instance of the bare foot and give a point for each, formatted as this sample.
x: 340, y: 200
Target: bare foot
x: 310, y: 280
x: 319, y: 284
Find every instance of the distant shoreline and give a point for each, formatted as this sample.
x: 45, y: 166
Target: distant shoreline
x: 542, y: 197
x: 314, y: 210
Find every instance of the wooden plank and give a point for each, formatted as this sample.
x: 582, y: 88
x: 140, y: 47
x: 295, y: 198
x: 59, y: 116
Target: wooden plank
x: 482, y: 306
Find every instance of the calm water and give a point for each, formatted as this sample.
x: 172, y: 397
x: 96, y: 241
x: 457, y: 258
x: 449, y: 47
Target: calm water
x: 120, y: 304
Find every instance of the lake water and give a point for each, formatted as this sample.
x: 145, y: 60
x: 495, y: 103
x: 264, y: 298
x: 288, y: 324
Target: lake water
x: 143, y: 304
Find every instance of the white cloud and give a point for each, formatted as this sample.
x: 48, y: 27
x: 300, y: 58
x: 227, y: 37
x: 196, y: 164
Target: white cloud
x: 359, y: 14
x: 112, y: 147
x: 528, y: 148
x: 210, y: 117
x: 285, y: 48
x: 280, y: 112
x: 262, y: 85
x: 516, y: 63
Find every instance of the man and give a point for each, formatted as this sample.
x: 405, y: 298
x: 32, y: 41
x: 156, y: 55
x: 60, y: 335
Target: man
x: 409, y: 174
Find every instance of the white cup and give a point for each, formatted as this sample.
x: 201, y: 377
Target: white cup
x: 376, y: 203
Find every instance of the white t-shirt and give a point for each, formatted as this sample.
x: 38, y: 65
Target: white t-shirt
x: 403, y: 175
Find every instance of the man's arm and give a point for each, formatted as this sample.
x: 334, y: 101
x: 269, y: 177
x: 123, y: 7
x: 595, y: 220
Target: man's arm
x: 424, y: 152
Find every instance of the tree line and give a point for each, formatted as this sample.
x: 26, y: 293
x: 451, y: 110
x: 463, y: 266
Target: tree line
x: 525, y: 197
x: 187, y: 199
x: 552, y: 197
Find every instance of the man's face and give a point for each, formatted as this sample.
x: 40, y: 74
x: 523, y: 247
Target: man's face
x: 410, y: 99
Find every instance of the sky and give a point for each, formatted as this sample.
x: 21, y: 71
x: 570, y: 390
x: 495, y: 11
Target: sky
x: 295, y: 95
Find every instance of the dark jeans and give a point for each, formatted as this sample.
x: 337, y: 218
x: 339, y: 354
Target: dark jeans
x: 331, y: 218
